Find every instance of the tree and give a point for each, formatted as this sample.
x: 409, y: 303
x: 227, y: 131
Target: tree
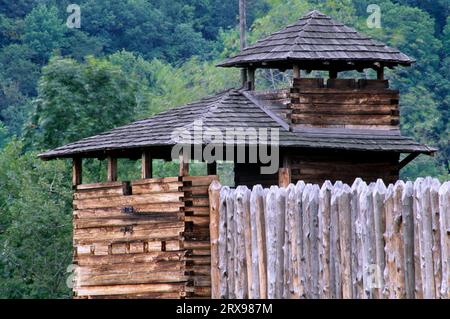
x: 76, y: 100
x: 35, y: 225
x: 44, y: 32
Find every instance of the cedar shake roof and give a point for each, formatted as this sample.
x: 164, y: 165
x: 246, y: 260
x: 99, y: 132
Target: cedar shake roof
x: 314, y: 39
x: 230, y: 109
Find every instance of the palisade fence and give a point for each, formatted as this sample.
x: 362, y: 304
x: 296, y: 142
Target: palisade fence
x: 337, y: 241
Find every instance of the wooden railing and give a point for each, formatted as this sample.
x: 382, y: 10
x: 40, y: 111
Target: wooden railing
x: 333, y: 241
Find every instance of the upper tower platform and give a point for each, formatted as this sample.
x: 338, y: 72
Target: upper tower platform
x: 317, y: 42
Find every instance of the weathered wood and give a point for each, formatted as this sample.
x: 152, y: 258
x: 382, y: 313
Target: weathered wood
x: 248, y: 242
x: 112, y: 169
x: 335, y: 251
x: 444, y: 215
x: 324, y: 240
x: 379, y: 194
x: 284, y: 177
x: 418, y: 281
x: 434, y: 185
x: 184, y: 165
x: 280, y: 232
x: 214, y: 217
x: 356, y: 257
x: 260, y: 217
x: 271, y: 239
x: 223, y: 240
x: 77, y: 171
x: 314, y: 236
x: 299, y: 265
x: 290, y: 234
x: 344, y: 211
x: 306, y: 232
x: 241, y: 279
x: 426, y: 248
x: 146, y: 165
x: 231, y: 234
x: 408, y: 238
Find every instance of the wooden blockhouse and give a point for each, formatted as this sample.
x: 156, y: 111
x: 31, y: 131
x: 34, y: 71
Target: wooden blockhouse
x: 150, y: 238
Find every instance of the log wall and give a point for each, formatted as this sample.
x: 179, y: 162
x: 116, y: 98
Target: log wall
x: 144, y: 239
x: 316, y: 168
x: 334, y: 241
x: 343, y: 103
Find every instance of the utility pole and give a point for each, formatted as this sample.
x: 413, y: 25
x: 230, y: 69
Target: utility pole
x: 243, y: 30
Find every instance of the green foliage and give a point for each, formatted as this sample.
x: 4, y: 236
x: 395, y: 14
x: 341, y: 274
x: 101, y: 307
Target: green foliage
x: 77, y: 100
x: 35, y: 225
x: 135, y: 58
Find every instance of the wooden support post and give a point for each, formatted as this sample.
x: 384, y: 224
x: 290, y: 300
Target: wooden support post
x: 77, y: 172
x: 380, y: 73
x: 184, y: 165
x: 112, y: 169
x: 296, y: 72
x: 333, y: 74
x: 284, y: 174
x: 212, y: 169
x: 251, y: 78
x: 147, y: 165
x: 243, y: 36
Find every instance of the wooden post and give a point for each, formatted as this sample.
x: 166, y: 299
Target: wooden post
x: 333, y: 74
x: 408, y: 238
x: 444, y: 215
x: 284, y: 174
x: 241, y: 279
x: 184, y: 165
x: 212, y: 168
x: 231, y: 233
x: 324, y: 240
x: 222, y: 244
x: 345, y: 228
x: 251, y: 78
x: 243, y: 37
x: 214, y: 217
x: 147, y: 165
x: 77, y: 171
x: 258, y: 203
x: 296, y: 73
x: 112, y: 169
x: 380, y: 73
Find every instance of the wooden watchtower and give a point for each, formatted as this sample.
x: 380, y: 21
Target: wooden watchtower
x: 327, y: 129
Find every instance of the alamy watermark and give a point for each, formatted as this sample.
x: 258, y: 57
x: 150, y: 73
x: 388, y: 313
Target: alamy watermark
x: 74, y: 19
x: 374, y: 20
x: 235, y: 144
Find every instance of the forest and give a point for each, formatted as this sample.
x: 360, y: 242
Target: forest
x: 131, y: 59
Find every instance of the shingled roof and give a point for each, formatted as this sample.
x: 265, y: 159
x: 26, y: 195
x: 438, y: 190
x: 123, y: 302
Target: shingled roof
x: 317, y: 37
x: 229, y: 109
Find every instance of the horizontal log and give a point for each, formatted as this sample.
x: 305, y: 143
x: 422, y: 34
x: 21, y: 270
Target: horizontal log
x: 319, y: 119
x: 200, y: 180
x: 197, y: 245
x: 98, y: 193
x: 157, y: 295
x: 197, y: 211
x: 344, y: 111
x: 156, y: 188
x: 128, y: 289
x: 113, y: 201
x: 154, y: 181
x: 133, y: 233
x: 198, y: 220
x: 150, y: 257
x: 147, y: 219
x: 100, y: 185
x: 197, y: 201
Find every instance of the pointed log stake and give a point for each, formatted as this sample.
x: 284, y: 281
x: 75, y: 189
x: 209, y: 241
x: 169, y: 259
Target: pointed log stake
x: 222, y: 244
x: 408, y: 238
x: 214, y: 207
x: 324, y: 240
x: 77, y: 172
x: 112, y: 169
x: 146, y: 166
x: 444, y: 215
